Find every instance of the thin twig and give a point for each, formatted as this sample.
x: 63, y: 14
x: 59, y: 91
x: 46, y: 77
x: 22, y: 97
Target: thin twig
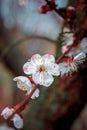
x: 24, y: 102
x: 53, y: 7
x: 63, y: 55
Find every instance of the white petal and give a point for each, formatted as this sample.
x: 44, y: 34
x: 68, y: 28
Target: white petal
x: 48, y: 59
x: 79, y: 58
x: 43, y: 78
x: 18, y: 121
x: 67, y: 69
x: 47, y: 79
x: 23, y: 83
x: 38, y: 78
x: 29, y: 68
x: 68, y: 38
x: 35, y: 94
x: 53, y: 69
x: 36, y: 59
x: 7, y: 112
x: 73, y: 67
x: 64, y: 69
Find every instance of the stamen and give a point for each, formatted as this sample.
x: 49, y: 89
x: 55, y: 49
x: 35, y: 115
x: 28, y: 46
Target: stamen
x: 41, y: 68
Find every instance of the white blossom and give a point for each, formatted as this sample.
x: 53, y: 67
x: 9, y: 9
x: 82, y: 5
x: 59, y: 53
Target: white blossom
x: 81, y: 47
x: 68, y: 38
x: 80, y: 58
x: 42, y: 69
x: 35, y: 94
x: 17, y: 121
x: 7, y: 112
x: 24, y: 84
x: 71, y: 65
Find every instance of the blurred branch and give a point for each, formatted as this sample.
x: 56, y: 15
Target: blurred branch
x: 53, y: 7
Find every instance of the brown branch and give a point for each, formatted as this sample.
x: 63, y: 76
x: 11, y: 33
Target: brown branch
x: 53, y: 7
x: 63, y: 55
x: 20, y: 107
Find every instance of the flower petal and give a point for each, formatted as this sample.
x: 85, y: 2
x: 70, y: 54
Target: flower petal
x: 35, y: 94
x: 23, y: 83
x: 48, y: 59
x: 44, y: 78
x: 17, y: 121
x: 36, y: 59
x: 38, y: 78
x: 47, y: 79
x: 78, y: 59
x: 68, y: 38
x: 7, y: 112
x: 29, y: 68
x: 66, y: 69
x: 53, y: 69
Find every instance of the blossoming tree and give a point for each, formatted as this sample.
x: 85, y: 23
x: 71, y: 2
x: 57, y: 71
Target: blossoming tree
x: 41, y: 70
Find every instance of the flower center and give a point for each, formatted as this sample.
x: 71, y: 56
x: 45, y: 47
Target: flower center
x: 41, y: 68
x: 68, y: 60
x: 23, y: 88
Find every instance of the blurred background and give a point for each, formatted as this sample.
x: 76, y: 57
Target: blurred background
x: 24, y: 32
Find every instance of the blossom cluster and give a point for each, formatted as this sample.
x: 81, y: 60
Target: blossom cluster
x: 68, y: 38
x: 16, y: 119
x: 42, y: 69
